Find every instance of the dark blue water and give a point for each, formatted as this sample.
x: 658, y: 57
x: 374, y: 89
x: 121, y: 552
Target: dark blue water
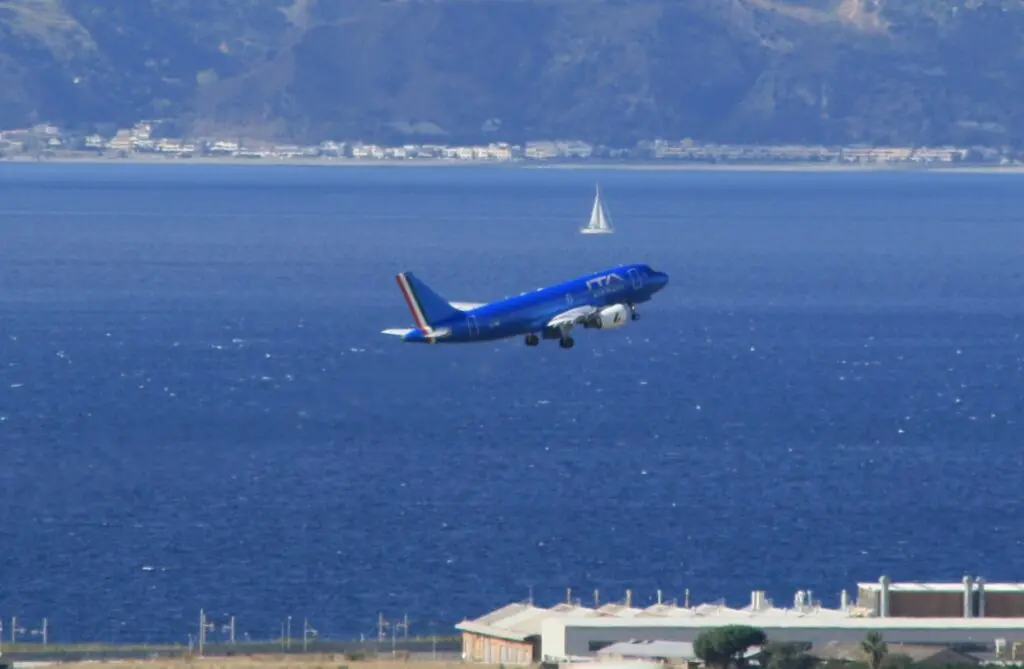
x: 197, y: 408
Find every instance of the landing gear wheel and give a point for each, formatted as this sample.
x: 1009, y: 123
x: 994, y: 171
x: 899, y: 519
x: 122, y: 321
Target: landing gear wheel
x: 634, y: 314
x: 532, y: 340
x: 566, y: 342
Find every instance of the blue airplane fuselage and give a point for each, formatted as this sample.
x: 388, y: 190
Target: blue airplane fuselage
x: 531, y: 312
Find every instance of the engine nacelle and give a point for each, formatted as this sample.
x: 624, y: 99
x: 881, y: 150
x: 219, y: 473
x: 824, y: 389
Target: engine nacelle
x: 611, y: 317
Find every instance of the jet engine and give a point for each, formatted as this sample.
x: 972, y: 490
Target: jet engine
x: 611, y: 317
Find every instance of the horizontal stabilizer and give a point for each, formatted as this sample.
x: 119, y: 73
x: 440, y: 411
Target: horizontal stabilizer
x: 397, y: 332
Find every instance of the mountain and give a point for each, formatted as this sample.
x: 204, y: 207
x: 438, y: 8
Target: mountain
x: 612, y: 71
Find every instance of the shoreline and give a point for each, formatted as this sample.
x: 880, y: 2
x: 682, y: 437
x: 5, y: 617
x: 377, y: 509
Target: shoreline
x: 638, y: 166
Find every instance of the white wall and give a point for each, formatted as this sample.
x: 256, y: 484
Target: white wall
x: 559, y: 640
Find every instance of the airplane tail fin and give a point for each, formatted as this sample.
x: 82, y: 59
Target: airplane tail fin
x: 427, y: 307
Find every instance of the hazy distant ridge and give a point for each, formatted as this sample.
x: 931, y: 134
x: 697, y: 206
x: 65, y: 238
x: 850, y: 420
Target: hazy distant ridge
x: 898, y: 72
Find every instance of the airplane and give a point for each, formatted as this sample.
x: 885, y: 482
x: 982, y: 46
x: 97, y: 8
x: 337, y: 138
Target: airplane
x: 603, y: 300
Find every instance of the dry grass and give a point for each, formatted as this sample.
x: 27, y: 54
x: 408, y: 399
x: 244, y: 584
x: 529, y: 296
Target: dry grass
x: 311, y: 661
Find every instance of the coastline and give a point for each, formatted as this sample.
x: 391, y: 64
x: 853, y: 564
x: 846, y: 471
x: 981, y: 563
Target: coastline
x: 639, y: 166
x: 792, y: 167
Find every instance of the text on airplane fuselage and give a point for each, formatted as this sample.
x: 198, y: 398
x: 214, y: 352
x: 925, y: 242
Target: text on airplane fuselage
x: 604, y: 281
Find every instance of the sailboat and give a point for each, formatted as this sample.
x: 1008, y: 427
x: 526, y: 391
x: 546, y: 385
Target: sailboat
x: 600, y: 223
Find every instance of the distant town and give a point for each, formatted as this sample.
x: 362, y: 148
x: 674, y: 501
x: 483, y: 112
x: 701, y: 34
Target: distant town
x: 146, y: 140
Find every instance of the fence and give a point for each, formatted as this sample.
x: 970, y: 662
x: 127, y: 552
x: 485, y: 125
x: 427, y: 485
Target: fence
x: 418, y: 649
x: 36, y: 644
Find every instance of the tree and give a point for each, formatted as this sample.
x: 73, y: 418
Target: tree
x: 725, y: 647
x: 782, y: 655
x: 898, y: 661
x: 875, y: 649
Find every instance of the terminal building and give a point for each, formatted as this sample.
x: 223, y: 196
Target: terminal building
x: 971, y: 615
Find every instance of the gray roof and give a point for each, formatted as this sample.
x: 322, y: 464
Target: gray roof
x: 522, y: 621
x: 674, y: 650
x: 518, y: 622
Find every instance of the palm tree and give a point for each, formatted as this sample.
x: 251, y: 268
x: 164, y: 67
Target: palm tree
x: 875, y: 648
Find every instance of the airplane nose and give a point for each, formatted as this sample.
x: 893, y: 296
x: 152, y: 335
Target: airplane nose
x: 660, y: 279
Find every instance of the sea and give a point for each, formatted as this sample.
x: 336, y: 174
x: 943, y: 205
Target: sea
x: 198, y: 409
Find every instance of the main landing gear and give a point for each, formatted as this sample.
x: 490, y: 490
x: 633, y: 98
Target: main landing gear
x: 635, y: 314
x: 564, y: 342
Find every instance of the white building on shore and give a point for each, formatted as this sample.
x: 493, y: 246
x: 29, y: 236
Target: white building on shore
x: 521, y: 633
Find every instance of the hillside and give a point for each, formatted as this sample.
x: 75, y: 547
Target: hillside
x: 844, y: 71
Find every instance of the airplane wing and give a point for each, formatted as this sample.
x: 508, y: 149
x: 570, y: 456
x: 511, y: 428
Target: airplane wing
x: 567, y: 319
x: 467, y: 306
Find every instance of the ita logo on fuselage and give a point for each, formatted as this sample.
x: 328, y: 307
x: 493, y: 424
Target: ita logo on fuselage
x: 607, y: 282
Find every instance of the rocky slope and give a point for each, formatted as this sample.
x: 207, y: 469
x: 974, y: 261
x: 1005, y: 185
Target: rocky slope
x: 881, y: 71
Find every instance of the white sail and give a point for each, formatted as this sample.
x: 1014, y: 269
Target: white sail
x: 600, y: 223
